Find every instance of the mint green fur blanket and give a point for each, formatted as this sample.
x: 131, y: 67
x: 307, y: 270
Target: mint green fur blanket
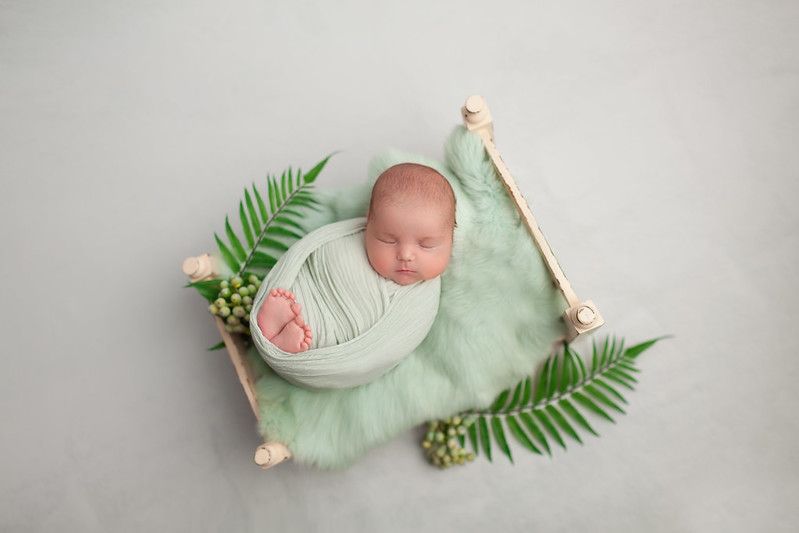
x: 499, y: 314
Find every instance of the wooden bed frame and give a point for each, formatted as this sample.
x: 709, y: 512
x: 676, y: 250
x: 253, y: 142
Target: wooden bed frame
x: 580, y: 318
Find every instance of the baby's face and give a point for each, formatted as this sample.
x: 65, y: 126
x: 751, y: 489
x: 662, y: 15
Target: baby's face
x: 409, y: 242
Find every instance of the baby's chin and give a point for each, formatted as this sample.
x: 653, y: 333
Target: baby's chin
x: 407, y: 280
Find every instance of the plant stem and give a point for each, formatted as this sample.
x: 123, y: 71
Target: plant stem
x: 246, y: 262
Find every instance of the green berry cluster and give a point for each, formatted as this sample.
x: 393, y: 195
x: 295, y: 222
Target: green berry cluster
x: 234, y: 302
x: 442, y: 443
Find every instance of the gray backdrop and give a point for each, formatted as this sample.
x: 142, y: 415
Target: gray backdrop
x: 655, y: 141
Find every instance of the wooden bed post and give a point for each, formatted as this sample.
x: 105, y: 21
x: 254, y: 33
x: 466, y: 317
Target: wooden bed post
x: 581, y: 318
x: 267, y: 454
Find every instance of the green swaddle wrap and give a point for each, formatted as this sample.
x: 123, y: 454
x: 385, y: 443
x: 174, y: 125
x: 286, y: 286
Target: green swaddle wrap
x: 362, y: 324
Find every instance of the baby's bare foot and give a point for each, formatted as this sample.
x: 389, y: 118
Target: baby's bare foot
x: 279, y: 308
x: 295, y: 336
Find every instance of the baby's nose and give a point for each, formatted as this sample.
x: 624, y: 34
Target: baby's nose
x: 405, y: 254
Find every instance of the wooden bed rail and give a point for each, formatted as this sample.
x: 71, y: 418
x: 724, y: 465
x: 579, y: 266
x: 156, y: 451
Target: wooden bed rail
x: 267, y: 454
x: 581, y: 318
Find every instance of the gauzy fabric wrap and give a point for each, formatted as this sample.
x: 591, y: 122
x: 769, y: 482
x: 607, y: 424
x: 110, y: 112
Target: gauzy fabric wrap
x: 362, y: 324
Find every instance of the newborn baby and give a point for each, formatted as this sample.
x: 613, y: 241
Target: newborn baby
x: 408, y: 238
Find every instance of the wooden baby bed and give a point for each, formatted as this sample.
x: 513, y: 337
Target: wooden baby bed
x: 580, y: 317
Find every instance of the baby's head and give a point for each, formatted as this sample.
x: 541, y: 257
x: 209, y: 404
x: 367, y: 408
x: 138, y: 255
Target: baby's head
x: 410, y: 223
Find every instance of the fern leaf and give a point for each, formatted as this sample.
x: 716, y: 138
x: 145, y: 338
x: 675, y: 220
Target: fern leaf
x: 634, y: 351
x: 499, y: 402
x: 602, y: 398
x: 305, y: 203
x: 566, y: 374
x: 485, y: 440
x: 277, y: 230
x: 235, y: 243
x: 520, y: 435
x: 619, y: 350
x: 230, y: 261
x: 627, y: 366
x: 266, y: 242
x: 517, y: 395
x: 310, y: 177
x: 570, y: 410
x: 289, y: 222
x: 543, y: 382
x: 284, y: 190
x: 551, y: 429
x: 245, y: 224
x: 272, y: 188
x: 217, y: 346
x: 289, y: 211
x: 256, y: 225
x: 587, y: 403
x: 208, y: 289
x: 304, y: 195
x: 553, y: 377
x: 472, y: 431
x: 561, y: 421
x: 603, y: 360
x: 499, y: 436
x: 528, y: 386
x: 261, y: 205
x: 616, y: 379
x: 623, y: 373
x: 262, y: 260
x: 610, y: 389
x: 564, y: 392
x: 582, y: 374
x: 535, y: 431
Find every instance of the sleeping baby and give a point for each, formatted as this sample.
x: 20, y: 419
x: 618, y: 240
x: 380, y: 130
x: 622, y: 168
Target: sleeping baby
x: 407, y: 239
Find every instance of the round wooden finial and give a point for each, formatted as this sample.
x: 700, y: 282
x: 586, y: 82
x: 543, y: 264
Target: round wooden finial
x: 262, y: 456
x: 270, y: 454
x: 475, y: 103
x: 199, y: 267
x: 191, y: 265
x: 585, y: 315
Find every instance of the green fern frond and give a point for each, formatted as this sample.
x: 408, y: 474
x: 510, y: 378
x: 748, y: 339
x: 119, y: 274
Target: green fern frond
x: 269, y: 222
x: 568, y: 391
x: 208, y: 289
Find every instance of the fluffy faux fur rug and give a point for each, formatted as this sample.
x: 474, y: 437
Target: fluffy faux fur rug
x: 498, y: 318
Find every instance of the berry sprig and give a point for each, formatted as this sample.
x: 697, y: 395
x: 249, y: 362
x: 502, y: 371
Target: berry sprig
x: 442, y: 443
x: 234, y: 303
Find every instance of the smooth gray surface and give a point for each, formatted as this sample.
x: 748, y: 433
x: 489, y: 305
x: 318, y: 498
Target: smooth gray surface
x: 656, y: 143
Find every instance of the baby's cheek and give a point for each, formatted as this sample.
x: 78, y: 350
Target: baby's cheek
x: 440, y: 263
x: 379, y: 261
